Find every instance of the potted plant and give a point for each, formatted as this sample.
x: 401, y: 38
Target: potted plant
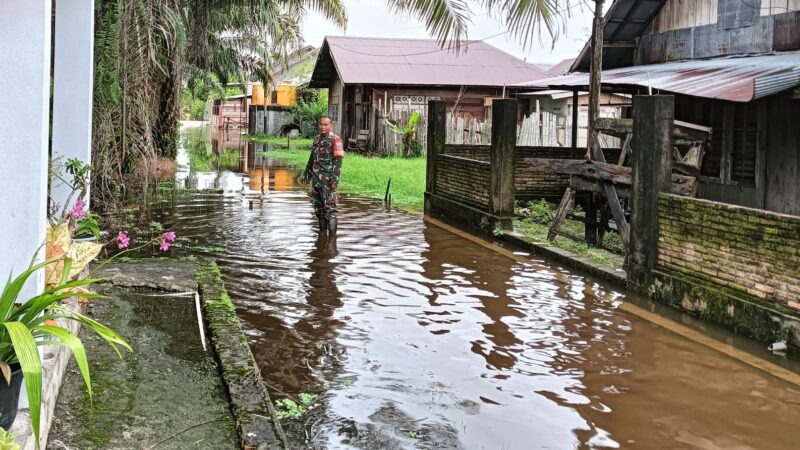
x: 26, y: 324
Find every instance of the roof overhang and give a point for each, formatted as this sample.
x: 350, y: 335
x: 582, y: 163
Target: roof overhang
x: 737, y: 79
x: 625, y: 21
x: 324, y: 69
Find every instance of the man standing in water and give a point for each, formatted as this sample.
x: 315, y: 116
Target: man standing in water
x: 322, y: 170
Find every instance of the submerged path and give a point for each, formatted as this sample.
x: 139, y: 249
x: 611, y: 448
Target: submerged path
x: 414, y: 337
x: 166, y: 394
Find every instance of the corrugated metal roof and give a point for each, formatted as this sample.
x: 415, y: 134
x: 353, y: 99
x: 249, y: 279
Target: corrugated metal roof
x: 552, y: 93
x: 738, y: 79
x: 419, y: 62
x: 561, y: 68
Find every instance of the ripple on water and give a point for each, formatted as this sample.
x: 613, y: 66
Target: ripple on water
x: 418, y: 338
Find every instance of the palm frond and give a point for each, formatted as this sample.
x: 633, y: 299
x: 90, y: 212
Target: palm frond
x: 446, y: 20
x: 528, y: 19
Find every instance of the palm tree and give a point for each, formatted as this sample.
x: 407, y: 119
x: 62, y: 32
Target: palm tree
x: 147, y: 49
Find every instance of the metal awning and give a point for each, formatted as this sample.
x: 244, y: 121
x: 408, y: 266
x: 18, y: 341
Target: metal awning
x: 738, y: 79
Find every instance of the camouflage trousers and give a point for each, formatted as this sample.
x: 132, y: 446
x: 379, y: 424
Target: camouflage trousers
x: 324, y: 199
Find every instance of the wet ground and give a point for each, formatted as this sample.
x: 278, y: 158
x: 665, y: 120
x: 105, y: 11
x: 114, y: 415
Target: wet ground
x: 167, y: 394
x: 415, y: 337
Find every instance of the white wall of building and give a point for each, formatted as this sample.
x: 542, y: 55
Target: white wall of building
x: 25, y: 91
x: 73, y: 74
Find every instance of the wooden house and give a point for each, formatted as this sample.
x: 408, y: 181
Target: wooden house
x: 732, y: 65
x: 231, y: 112
x: 373, y: 76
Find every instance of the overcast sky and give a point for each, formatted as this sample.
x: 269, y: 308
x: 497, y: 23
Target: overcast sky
x: 372, y: 18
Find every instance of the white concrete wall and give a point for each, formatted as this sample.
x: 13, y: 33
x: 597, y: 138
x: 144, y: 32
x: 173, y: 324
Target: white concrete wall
x: 73, y: 75
x: 25, y: 93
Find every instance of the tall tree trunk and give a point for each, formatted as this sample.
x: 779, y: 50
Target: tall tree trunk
x: 165, y: 131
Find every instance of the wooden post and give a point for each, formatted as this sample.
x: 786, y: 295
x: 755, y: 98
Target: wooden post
x: 651, y: 164
x: 591, y: 228
x: 596, y: 70
x: 574, y: 124
x: 504, y: 143
x: 436, y: 139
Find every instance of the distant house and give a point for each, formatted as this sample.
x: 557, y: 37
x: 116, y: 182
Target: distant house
x: 230, y: 112
x: 371, y: 76
x: 233, y: 111
x: 560, y: 104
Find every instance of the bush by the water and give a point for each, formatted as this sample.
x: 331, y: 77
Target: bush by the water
x: 311, y: 105
x: 540, y: 212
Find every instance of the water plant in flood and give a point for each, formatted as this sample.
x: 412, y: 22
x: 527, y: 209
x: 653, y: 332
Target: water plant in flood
x: 291, y: 409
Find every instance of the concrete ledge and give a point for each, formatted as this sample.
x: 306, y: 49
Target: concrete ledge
x: 701, y: 298
x: 744, y: 314
x: 448, y: 210
x: 252, y: 407
x: 54, y: 364
x: 569, y: 259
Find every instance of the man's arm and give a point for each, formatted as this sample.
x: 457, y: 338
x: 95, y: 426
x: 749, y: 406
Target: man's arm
x: 307, y: 172
x: 338, y: 148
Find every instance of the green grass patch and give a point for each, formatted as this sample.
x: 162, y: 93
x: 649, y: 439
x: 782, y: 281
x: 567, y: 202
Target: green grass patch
x: 536, y: 226
x: 368, y: 176
x: 292, y: 142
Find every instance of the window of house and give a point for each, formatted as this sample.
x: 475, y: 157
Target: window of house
x: 334, y: 113
x: 745, y: 144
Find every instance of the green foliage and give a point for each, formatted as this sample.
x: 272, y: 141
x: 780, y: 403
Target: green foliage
x: 8, y: 440
x: 290, y: 409
x: 24, y: 326
x: 311, y: 106
x: 79, y: 171
x: 411, y: 124
x: 87, y: 226
x: 411, y: 145
x: 540, y: 212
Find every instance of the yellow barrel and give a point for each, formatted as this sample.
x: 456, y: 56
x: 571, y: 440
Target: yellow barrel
x: 258, y: 94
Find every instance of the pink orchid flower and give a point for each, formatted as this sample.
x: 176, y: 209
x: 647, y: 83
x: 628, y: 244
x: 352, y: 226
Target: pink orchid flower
x: 123, y: 240
x: 78, y: 210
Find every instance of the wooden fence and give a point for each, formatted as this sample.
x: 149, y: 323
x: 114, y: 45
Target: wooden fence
x: 387, y: 132
x: 543, y: 129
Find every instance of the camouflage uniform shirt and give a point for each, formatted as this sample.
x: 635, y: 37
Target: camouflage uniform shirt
x: 323, y: 171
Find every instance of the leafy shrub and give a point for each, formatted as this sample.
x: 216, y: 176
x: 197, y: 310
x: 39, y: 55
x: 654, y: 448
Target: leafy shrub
x: 540, y: 212
x: 311, y: 106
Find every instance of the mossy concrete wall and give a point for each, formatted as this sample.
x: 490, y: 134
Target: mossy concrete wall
x: 729, y: 264
x: 253, y: 410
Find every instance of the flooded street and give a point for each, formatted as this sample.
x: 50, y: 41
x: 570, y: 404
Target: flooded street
x: 415, y: 337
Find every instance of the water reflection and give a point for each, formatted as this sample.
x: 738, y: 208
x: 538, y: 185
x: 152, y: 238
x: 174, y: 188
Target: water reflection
x: 400, y: 325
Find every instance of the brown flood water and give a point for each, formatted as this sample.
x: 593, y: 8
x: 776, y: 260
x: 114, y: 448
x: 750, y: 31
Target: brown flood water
x: 414, y: 337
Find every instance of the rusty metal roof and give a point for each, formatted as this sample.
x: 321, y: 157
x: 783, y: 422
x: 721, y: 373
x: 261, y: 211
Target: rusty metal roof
x: 359, y: 60
x: 738, y: 79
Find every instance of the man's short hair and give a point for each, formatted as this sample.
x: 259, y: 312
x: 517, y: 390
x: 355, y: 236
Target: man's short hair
x: 325, y: 117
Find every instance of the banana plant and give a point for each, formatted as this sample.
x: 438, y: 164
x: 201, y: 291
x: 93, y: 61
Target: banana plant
x: 26, y: 325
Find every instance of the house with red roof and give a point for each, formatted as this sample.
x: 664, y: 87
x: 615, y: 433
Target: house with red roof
x: 371, y: 76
